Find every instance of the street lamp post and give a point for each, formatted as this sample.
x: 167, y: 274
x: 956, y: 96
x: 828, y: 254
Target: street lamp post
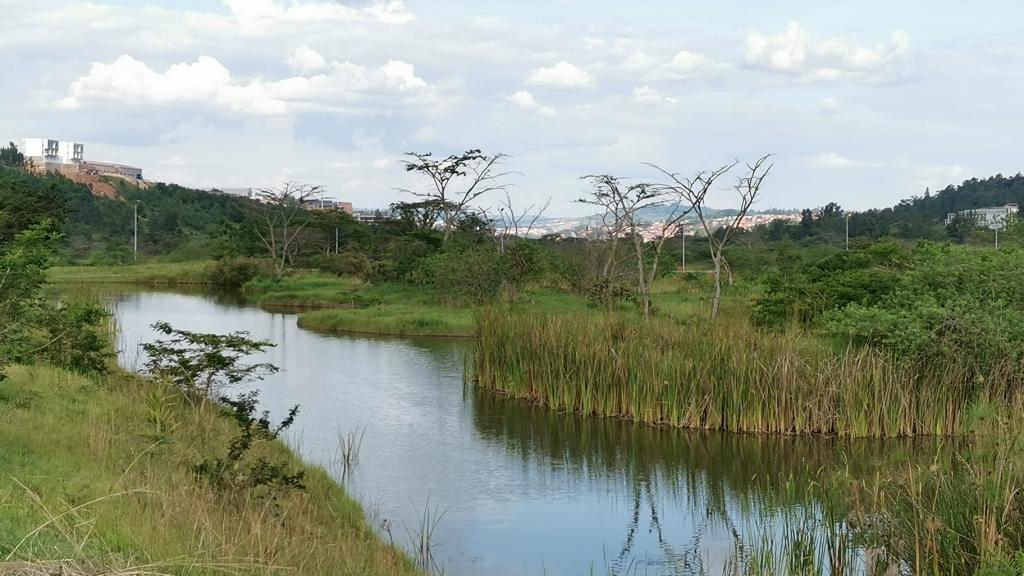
x: 997, y: 226
x: 847, y: 231
x: 682, y: 228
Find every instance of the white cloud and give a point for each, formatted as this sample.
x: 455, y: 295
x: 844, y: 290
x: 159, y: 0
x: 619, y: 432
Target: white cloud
x: 307, y: 60
x: 129, y: 80
x: 562, y: 75
x: 795, y: 52
x: 343, y: 86
x: 830, y: 105
x: 647, y: 95
x: 392, y: 12
x: 686, y: 62
x: 402, y: 75
x: 523, y: 99
x: 920, y: 173
x: 832, y: 160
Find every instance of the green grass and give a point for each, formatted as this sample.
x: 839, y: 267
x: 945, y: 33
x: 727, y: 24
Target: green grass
x: 97, y: 470
x: 405, y: 310
x: 394, y: 319
x: 691, y: 373
x: 164, y: 273
x: 307, y: 290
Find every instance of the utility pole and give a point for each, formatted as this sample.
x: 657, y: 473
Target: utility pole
x: 135, y: 230
x: 682, y: 228
x: 847, y: 231
x: 335, y: 239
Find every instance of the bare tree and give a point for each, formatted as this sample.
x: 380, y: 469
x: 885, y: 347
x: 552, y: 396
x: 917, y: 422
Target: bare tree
x: 621, y: 219
x: 280, y: 216
x: 694, y: 190
x: 513, y: 223
x: 456, y: 181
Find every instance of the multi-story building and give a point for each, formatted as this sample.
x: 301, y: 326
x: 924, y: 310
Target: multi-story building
x: 49, y: 155
x: 111, y: 169
x: 986, y: 216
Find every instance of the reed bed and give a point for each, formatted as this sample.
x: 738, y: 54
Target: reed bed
x: 724, y: 376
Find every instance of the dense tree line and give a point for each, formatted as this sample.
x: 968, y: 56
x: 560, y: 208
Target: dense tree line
x: 917, y: 218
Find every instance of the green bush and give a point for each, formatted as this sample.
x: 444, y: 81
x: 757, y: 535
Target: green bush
x: 348, y: 262
x: 932, y: 302
x: 471, y: 275
x: 402, y: 258
x: 235, y: 272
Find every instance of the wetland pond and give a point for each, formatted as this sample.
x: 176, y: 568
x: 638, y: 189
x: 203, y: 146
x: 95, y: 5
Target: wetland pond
x: 515, y: 489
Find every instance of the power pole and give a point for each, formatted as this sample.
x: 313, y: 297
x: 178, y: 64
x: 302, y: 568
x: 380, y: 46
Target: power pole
x: 847, y: 231
x: 335, y: 239
x: 135, y: 230
x: 682, y: 227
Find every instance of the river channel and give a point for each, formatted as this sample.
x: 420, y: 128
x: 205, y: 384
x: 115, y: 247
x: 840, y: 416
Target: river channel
x: 517, y: 490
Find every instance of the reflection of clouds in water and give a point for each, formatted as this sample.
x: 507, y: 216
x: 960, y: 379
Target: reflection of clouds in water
x: 523, y: 489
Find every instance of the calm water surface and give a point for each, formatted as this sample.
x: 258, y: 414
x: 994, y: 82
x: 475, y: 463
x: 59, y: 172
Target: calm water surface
x: 522, y: 491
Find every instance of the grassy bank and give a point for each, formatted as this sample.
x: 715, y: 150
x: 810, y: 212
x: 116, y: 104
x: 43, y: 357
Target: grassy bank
x: 98, y: 471
x: 343, y: 304
x: 349, y: 305
x: 722, y: 376
x: 163, y: 273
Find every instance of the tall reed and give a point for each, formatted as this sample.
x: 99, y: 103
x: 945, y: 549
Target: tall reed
x: 722, y: 376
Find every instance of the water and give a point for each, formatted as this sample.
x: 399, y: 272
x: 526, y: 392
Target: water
x: 522, y: 490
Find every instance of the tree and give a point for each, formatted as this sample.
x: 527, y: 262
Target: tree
x: 11, y: 156
x: 204, y: 364
x: 280, y: 216
x: 514, y: 224
x: 420, y: 215
x: 621, y: 218
x: 456, y: 181
x: 34, y: 327
x: 695, y: 191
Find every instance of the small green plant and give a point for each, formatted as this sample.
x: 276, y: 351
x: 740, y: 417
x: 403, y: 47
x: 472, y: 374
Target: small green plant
x: 201, y: 365
x: 160, y: 410
x: 235, y: 272
x: 237, y: 469
x: 348, y: 262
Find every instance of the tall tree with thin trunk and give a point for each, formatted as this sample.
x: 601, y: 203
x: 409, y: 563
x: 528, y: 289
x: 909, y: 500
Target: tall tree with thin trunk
x: 621, y: 219
x: 279, y: 216
x: 694, y: 190
x: 456, y: 181
x: 515, y: 223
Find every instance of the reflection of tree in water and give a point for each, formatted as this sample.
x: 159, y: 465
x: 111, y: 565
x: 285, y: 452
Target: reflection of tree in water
x: 725, y: 480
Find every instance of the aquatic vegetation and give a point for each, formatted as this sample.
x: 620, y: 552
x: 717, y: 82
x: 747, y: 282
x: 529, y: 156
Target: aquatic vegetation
x: 725, y: 375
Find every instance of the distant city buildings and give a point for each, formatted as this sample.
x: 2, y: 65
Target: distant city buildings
x: 985, y: 216
x: 68, y: 158
x: 111, y: 169
x: 49, y: 155
x: 314, y: 204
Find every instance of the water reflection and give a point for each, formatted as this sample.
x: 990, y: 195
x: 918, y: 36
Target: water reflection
x: 523, y: 490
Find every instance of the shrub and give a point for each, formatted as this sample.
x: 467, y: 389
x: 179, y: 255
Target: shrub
x: 236, y: 469
x: 348, y: 262
x: 204, y: 363
x: 471, y: 275
x: 235, y: 272
x: 403, y: 257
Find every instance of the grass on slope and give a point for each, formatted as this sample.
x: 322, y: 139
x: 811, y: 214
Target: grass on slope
x: 150, y: 273
x: 98, y: 471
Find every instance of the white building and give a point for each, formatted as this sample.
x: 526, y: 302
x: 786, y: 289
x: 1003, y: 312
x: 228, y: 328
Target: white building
x: 986, y: 216
x: 47, y: 154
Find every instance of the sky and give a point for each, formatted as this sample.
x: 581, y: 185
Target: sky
x: 862, y: 103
